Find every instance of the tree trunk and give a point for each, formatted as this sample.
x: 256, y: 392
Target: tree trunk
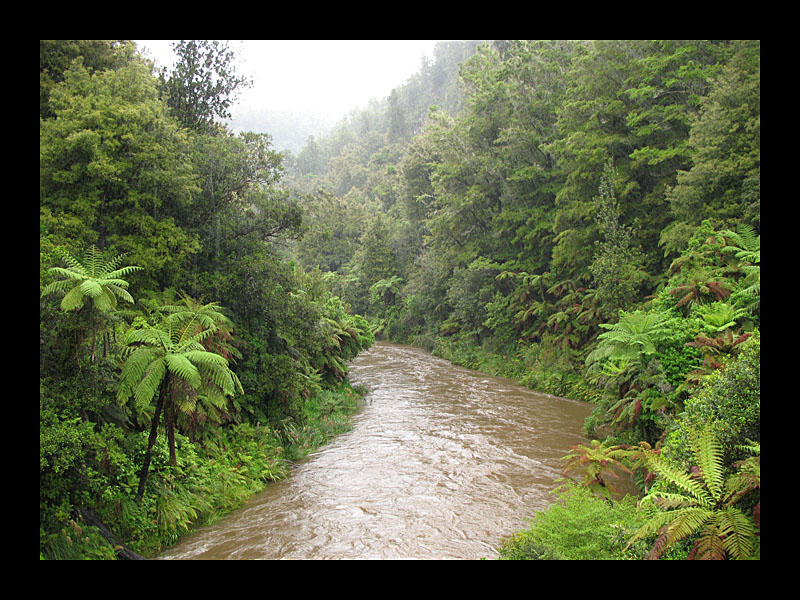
x: 119, y: 546
x: 151, y: 440
x: 169, y: 414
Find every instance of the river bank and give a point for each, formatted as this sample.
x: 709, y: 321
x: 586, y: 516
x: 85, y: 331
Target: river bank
x: 212, y: 479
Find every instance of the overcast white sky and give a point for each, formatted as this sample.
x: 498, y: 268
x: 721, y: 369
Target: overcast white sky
x: 327, y: 77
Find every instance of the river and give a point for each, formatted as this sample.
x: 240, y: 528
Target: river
x: 442, y: 462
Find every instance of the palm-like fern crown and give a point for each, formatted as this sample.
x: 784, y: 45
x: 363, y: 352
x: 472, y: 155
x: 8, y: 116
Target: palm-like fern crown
x: 175, y: 346
x: 703, y: 504
x: 633, y: 336
x: 97, y: 277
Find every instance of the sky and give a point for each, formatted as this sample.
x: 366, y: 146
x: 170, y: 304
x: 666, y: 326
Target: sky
x: 322, y: 77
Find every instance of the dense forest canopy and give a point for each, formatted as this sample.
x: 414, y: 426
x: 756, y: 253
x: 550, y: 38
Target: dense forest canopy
x: 583, y: 216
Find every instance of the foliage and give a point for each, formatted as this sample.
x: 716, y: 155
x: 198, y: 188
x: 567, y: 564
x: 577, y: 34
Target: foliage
x: 203, y: 83
x: 598, y: 462
x: 579, y: 526
x: 730, y: 399
x: 704, y: 506
x: 96, y: 277
x: 170, y: 360
x: 477, y: 202
x: 615, y: 269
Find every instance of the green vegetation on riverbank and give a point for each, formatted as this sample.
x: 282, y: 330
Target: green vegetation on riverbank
x: 210, y: 480
x: 184, y: 359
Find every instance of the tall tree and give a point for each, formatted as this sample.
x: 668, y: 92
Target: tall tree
x: 114, y: 170
x: 724, y: 180
x: 617, y: 262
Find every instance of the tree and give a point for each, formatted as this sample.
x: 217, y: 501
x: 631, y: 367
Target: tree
x: 703, y: 505
x: 169, y: 360
x: 203, y: 84
x: 114, y: 169
x: 616, y: 267
x: 724, y: 180
x: 196, y: 317
x: 96, y: 278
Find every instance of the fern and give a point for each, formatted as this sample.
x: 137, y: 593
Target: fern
x: 705, y: 509
x: 169, y: 359
x: 96, y: 277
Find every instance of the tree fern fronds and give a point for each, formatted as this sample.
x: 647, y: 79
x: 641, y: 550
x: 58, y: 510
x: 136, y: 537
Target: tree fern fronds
x: 69, y: 274
x: 709, y: 546
x: 667, y: 500
x: 745, y: 243
x: 708, y: 456
x: 707, y: 510
x: 148, y: 386
x: 136, y: 364
x: 683, y: 480
x: 96, y: 277
x: 737, y: 532
x: 150, y: 336
x: 181, y: 366
x: 72, y: 300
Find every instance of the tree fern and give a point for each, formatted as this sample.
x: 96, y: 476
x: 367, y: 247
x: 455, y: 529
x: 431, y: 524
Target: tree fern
x: 169, y: 359
x: 632, y: 337
x: 702, y: 507
x: 96, y: 277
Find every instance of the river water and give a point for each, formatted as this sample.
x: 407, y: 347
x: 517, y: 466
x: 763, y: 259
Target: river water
x: 442, y: 463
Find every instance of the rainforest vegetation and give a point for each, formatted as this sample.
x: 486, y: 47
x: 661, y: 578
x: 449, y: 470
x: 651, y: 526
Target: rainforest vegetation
x: 581, y: 216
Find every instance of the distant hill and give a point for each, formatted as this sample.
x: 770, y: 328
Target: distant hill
x: 289, y: 129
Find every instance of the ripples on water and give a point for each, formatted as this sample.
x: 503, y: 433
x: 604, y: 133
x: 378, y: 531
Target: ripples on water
x: 442, y: 463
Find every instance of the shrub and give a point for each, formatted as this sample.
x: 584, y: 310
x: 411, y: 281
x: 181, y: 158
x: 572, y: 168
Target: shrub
x: 579, y: 526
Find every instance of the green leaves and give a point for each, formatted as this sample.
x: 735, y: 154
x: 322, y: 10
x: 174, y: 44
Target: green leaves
x: 95, y: 278
x: 703, y: 505
x: 633, y: 337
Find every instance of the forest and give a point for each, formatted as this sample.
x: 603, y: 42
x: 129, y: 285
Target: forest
x: 580, y: 216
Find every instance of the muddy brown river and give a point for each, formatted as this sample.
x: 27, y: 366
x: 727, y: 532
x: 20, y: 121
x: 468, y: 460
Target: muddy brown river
x: 442, y: 463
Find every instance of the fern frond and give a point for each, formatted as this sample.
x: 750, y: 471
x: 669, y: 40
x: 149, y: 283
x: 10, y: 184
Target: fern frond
x: 181, y: 366
x: 91, y: 288
x: 669, y: 500
x: 680, y: 478
x: 148, y: 386
x: 151, y: 336
x: 686, y: 521
x: 708, y: 456
x: 709, y: 546
x: 71, y: 261
x: 70, y: 273
x: 106, y: 301
x: 136, y: 364
x: 118, y: 273
x: 56, y: 286
x: 737, y: 532
x: 120, y: 291
x: 72, y: 300
x: 656, y: 523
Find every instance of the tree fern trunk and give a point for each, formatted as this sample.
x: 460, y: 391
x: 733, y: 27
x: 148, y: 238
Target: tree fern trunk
x: 170, y: 424
x: 151, y: 442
